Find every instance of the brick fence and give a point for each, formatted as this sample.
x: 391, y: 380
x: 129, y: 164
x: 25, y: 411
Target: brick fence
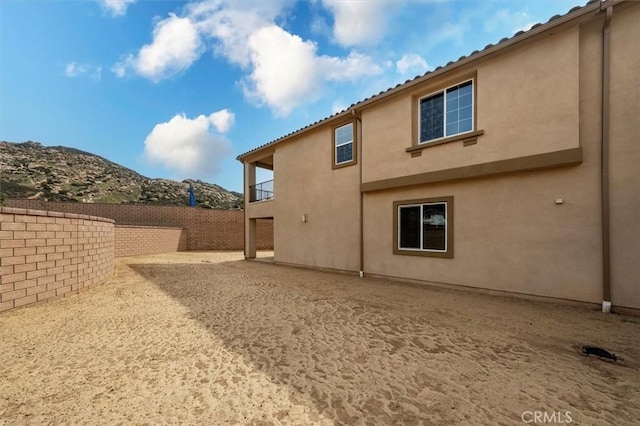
x: 136, y: 240
x: 205, y: 229
x: 46, y: 255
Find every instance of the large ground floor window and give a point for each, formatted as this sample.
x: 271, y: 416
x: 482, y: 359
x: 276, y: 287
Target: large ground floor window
x: 424, y: 227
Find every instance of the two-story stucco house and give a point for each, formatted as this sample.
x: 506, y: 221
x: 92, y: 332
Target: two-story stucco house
x: 516, y: 168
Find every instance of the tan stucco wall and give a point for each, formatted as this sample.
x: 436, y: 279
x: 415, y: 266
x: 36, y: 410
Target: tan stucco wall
x: 527, y: 103
x: 305, y: 183
x: 625, y: 156
x: 509, y: 235
x: 539, y: 97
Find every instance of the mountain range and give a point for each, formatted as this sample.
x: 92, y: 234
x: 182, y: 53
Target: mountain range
x: 58, y: 173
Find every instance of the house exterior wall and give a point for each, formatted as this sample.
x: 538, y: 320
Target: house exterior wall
x: 625, y: 156
x: 523, y: 107
x: 509, y: 235
x: 305, y: 183
x: 527, y: 196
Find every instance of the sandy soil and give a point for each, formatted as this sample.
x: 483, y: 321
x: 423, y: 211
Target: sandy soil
x: 207, y: 338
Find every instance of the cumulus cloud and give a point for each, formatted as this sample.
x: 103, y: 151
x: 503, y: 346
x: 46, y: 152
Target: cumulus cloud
x: 176, y: 45
x: 188, y: 146
x: 358, y: 22
x: 74, y: 69
x: 283, y: 74
x: 286, y: 71
x: 281, y: 69
x: 222, y: 120
x: 411, y: 63
x: 230, y: 24
x: 116, y: 7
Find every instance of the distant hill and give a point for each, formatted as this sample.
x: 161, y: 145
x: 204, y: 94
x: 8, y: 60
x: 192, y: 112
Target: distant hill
x: 58, y: 173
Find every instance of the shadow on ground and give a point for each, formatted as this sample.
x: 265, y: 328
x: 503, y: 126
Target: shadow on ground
x: 379, y: 352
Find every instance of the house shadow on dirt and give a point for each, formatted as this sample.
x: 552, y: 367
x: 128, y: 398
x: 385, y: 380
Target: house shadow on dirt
x: 370, y: 351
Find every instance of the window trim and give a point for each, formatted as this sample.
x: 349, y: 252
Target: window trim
x: 334, y: 147
x: 448, y: 252
x: 468, y: 138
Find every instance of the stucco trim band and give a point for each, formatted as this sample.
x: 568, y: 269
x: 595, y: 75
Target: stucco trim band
x: 568, y: 157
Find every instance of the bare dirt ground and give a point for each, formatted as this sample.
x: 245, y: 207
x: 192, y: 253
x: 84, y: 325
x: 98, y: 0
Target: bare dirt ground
x: 207, y: 338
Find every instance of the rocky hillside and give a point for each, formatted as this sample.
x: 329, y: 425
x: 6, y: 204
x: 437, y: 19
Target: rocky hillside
x: 31, y: 170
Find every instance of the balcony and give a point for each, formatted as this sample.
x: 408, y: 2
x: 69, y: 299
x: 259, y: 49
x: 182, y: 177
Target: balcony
x: 261, y: 191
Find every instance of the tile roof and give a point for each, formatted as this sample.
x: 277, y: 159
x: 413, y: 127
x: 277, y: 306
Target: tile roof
x: 520, y: 35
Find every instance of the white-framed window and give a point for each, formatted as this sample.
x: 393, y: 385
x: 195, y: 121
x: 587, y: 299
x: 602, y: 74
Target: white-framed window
x: 343, y: 144
x: 424, y: 227
x: 446, y: 113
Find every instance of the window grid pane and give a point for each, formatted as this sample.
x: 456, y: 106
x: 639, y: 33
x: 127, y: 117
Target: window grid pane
x: 434, y: 226
x: 409, y: 227
x: 432, y: 117
x: 344, y: 134
x: 344, y: 153
x: 459, y: 102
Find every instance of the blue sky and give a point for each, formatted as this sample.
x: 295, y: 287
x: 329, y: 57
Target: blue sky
x: 178, y: 89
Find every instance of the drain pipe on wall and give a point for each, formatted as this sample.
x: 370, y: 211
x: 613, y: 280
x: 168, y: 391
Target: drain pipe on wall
x: 604, y: 181
x: 358, y: 134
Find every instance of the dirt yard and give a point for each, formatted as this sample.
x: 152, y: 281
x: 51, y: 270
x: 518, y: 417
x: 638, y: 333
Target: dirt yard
x: 207, y: 338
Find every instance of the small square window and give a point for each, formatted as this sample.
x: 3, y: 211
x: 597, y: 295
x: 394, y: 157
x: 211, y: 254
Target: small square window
x: 424, y: 227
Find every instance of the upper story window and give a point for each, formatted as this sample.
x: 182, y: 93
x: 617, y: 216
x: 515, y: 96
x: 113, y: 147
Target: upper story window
x: 446, y: 113
x: 344, y: 151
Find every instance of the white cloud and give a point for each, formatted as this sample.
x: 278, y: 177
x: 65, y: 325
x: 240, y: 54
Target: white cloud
x: 176, y: 45
x: 358, y: 22
x: 365, y: 22
x: 286, y: 71
x: 74, y: 69
x: 116, y: 7
x: 338, y: 106
x: 230, y: 24
x: 412, y: 63
x: 187, y: 146
x: 350, y: 68
x: 283, y: 74
x: 281, y: 69
x: 120, y: 69
x: 508, y: 22
x: 448, y: 32
x: 222, y: 120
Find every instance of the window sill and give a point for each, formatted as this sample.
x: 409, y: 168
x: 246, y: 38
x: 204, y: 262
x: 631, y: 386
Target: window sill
x: 468, y: 138
x: 264, y: 200
x: 425, y: 253
x: 345, y: 164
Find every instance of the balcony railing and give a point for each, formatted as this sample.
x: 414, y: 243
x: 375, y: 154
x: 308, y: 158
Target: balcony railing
x: 261, y: 191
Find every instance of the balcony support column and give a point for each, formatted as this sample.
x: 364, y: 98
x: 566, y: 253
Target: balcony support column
x: 249, y: 224
x: 250, y: 238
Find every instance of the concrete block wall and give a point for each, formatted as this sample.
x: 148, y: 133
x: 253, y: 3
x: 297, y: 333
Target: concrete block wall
x: 46, y: 255
x: 138, y: 240
x: 205, y: 229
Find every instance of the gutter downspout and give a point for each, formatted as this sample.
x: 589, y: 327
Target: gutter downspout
x: 359, y: 152
x: 604, y: 181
